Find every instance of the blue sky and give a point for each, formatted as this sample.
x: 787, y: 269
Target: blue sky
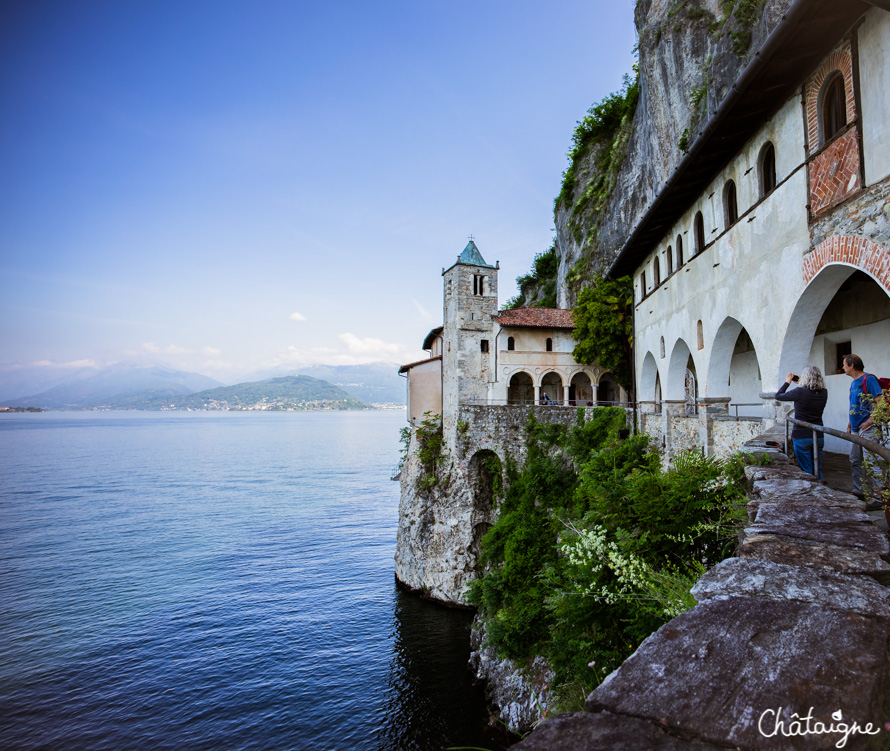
x: 229, y: 187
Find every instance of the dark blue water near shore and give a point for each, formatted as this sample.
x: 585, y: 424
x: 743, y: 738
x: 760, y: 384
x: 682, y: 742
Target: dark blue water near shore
x: 217, y: 581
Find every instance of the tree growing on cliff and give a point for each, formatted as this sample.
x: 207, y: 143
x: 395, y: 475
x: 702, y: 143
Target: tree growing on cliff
x: 604, y: 327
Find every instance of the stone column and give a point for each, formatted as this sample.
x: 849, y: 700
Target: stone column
x: 673, y: 416
x: 774, y: 412
x: 651, y: 421
x: 709, y: 408
x: 537, y: 394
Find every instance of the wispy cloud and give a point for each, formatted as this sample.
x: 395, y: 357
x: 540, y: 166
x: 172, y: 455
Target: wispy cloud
x: 298, y: 317
x: 55, y: 365
x: 174, y: 349
x: 353, y: 350
x: 424, y: 313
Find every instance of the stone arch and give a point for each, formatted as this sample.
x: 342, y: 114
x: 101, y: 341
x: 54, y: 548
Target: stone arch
x: 581, y: 389
x: 552, y: 386
x: 832, y: 107
x: 734, y: 367
x: 766, y: 169
x: 839, y: 61
x: 648, y: 377
x: 699, y: 233
x: 844, y: 308
x: 832, y: 262
x: 485, y: 477
x: 677, y: 367
x: 520, y: 388
x: 607, y: 390
x: 730, y: 204
x: 849, y: 250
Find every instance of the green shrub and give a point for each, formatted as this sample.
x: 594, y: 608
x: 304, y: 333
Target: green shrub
x: 430, y: 443
x: 596, y: 546
x: 601, y: 127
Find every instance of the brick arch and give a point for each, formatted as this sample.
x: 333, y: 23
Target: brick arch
x: 850, y: 250
x: 840, y: 59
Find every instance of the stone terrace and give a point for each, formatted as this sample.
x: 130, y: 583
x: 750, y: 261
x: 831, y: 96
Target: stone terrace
x: 799, y: 620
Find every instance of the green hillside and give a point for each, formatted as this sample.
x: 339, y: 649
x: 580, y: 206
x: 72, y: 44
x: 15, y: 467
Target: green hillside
x: 286, y: 393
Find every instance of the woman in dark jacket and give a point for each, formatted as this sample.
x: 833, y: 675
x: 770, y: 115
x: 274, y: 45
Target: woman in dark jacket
x: 809, y: 400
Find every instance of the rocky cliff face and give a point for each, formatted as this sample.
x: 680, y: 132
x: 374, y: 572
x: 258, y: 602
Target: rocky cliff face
x: 690, y: 54
x: 438, y: 535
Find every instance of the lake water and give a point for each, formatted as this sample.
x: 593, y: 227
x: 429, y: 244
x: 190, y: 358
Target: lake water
x: 217, y: 581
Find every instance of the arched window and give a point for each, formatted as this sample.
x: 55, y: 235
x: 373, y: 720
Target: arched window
x: 767, y: 169
x: 730, y: 204
x: 834, y: 107
x: 679, y: 251
x: 699, y: 233
x: 549, y: 344
x: 670, y: 260
x: 511, y: 343
x: 656, y: 266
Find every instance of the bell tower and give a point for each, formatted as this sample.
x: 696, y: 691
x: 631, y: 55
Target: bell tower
x: 470, y: 301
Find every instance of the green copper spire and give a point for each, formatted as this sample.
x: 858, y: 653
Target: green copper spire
x: 472, y: 257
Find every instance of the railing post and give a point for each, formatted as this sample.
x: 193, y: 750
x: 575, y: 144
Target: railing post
x: 816, y: 454
x: 787, y: 451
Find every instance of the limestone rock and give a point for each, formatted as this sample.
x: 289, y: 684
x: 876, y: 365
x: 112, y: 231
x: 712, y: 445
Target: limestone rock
x: 865, y: 537
x: 713, y: 672
x: 787, y: 511
x: 805, y: 553
x: 737, y: 577
x: 438, y: 535
x: 683, y: 48
x: 604, y: 731
x: 519, y: 693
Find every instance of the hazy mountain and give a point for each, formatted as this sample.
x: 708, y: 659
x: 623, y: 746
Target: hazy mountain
x: 21, y: 380
x: 120, y: 386
x: 285, y: 393
x: 376, y: 382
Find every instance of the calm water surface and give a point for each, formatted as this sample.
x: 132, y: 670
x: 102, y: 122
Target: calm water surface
x: 217, y: 581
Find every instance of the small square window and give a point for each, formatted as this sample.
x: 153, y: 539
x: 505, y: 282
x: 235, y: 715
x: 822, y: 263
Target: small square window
x: 484, y: 345
x: 841, y: 350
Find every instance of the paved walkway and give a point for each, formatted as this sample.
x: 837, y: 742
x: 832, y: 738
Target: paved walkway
x: 836, y: 471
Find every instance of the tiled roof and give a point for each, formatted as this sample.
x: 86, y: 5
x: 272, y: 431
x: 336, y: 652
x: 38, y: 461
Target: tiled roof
x: 544, y: 318
x: 406, y: 368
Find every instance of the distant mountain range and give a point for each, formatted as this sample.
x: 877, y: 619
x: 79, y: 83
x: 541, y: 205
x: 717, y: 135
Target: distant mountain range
x: 120, y: 386
x: 376, y: 382
x: 130, y: 386
x: 294, y: 393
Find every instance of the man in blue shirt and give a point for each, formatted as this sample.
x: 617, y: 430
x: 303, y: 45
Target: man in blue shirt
x: 863, y: 391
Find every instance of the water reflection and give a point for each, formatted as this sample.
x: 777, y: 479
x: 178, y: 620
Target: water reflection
x: 431, y: 702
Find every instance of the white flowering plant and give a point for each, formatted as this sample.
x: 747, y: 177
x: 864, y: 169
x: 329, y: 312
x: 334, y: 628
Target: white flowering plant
x: 596, y: 546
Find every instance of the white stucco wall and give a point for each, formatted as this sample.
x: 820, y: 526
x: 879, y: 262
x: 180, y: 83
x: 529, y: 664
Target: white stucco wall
x: 873, y: 339
x: 424, y: 390
x: 874, y: 77
x: 736, y: 280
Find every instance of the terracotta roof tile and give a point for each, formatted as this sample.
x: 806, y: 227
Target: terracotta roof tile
x: 547, y: 318
x: 406, y: 368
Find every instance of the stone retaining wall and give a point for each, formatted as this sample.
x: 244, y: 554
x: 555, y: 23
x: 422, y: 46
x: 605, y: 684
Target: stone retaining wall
x: 786, y: 648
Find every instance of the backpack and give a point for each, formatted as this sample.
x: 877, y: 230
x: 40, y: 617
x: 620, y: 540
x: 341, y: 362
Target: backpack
x: 884, y: 383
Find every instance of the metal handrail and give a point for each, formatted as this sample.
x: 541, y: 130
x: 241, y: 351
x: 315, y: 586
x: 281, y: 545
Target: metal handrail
x: 573, y: 404
x: 745, y: 404
x: 873, y: 446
